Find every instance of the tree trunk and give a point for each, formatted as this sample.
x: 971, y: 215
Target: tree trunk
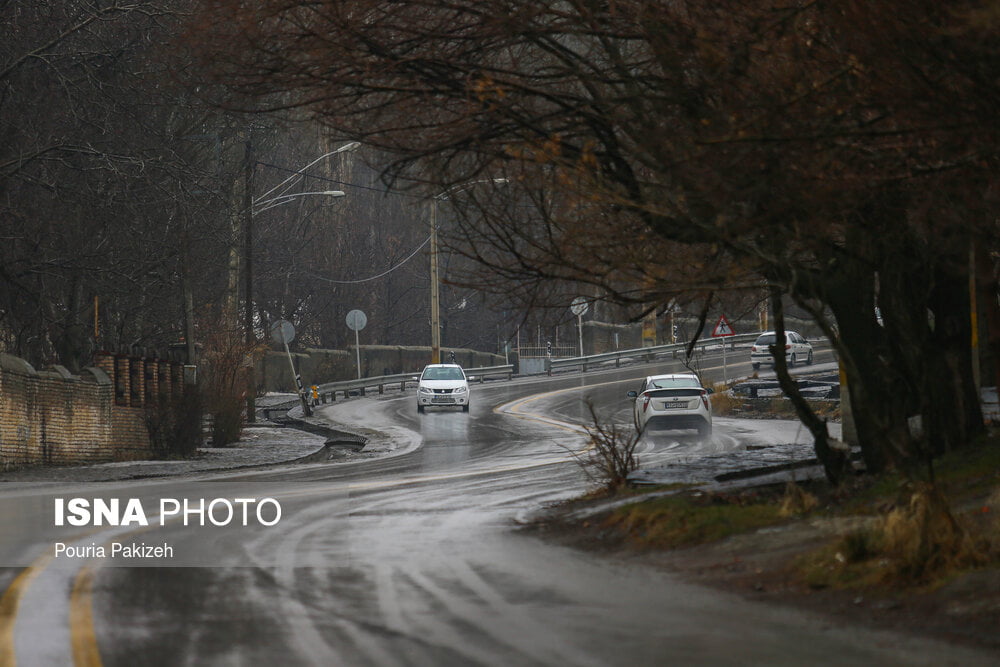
x: 834, y: 459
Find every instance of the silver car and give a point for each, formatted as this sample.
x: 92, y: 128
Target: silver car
x: 443, y: 385
x: 797, y: 349
x: 675, y: 401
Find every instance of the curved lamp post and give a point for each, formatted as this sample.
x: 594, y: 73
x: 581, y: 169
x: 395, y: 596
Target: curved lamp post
x: 255, y: 207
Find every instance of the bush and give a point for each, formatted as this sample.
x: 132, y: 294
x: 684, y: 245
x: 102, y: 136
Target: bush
x: 223, y: 380
x: 610, y: 458
x: 175, y: 427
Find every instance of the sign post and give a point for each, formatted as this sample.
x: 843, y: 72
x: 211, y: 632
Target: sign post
x: 283, y: 332
x: 579, y: 307
x: 356, y: 321
x: 723, y: 330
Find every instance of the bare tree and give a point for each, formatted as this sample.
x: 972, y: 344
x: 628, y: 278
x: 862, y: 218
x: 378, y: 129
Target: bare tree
x: 656, y: 148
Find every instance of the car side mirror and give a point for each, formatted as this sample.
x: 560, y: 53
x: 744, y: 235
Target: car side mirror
x: 709, y: 390
x: 471, y: 377
x: 415, y: 378
x: 633, y: 394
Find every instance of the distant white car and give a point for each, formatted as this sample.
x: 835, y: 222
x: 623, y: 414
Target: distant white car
x: 675, y: 401
x: 797, y: 349
x: 443, y: 385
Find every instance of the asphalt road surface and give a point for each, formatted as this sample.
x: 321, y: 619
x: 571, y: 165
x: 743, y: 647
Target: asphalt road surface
x: 412, y: 559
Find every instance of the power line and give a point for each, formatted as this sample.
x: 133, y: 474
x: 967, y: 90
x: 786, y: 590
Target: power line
x: 365, y: 280
x: 344, y: 183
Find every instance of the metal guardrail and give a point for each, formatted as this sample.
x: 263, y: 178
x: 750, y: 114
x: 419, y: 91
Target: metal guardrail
x: 328, y: 392
x: 646, y: 354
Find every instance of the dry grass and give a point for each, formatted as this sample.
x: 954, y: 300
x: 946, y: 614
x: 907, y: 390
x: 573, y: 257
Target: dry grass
x: 725, y: 404
x: 923, y: 538
x: 917, y: 542
x: 687, y: 519
x: 797, y: 501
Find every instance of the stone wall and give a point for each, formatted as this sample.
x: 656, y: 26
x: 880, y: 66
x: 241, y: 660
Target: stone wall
x: 53, y: 417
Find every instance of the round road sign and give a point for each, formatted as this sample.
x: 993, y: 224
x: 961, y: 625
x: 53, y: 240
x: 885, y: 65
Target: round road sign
x: 356, y: 320
x: 579, y: 306
x: 282, y: 332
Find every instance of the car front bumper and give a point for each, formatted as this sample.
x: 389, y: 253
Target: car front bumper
x: 443, y: 399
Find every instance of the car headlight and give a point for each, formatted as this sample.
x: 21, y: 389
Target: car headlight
x: 425, y: 390
x: 460, y: 390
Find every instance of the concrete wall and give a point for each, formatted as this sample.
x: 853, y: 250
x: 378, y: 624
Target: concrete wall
x: 601, y: 337
x: 320, y: 366
x: 54, y: 417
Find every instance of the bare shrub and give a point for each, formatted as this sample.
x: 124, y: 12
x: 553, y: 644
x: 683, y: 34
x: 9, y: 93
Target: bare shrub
x: 724, y: 403
x: 175, y: 426
x: 223, y: 382
x: 610, y: 457
x: 923, y: 538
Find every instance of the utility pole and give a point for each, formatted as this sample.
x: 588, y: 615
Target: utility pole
x: 248, y: 172
x: 435, y: 289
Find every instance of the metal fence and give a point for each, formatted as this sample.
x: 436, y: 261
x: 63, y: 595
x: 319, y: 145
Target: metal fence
x: 526, y: 352
x: 648, y: 354
x: 329, y: 391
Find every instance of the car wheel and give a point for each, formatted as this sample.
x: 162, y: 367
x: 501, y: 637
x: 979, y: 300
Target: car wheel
x: 756, y: 366
x: 792, y: 365
x: 809, y: 359
x: 465, y: 408
x: 420, y: 408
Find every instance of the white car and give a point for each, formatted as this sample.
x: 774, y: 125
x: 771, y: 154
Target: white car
x: 442, y: 385
x: 672, y: 401
x: 797, y: 349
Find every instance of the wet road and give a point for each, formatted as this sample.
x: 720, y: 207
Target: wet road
x: 407, y: 560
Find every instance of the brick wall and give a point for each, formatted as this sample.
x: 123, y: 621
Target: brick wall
x: 55, y: 418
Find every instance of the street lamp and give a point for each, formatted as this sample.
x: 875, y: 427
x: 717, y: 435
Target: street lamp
x: 435, y: 280
x: 253, y: 207
x: 354, y: 145
x: 263, y: 205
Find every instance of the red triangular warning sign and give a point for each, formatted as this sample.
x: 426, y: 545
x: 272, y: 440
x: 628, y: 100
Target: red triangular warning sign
x: 722, y: 328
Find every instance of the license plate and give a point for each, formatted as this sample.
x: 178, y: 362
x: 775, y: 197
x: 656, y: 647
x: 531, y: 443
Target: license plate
x: 679, y: 404
x: 442, y: 399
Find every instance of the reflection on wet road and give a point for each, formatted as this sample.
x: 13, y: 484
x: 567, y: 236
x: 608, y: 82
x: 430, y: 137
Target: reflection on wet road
x: 415, y: 560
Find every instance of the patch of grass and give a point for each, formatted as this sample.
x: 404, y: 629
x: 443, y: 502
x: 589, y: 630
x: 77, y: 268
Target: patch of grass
x: 688, y: 519
x: 850, y: 562
x: 970, y: 470
x: 962, y: 475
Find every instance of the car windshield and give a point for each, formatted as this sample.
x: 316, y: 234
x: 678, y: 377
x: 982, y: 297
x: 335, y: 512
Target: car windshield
x: 443, y: 373
x: 671, y: 383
